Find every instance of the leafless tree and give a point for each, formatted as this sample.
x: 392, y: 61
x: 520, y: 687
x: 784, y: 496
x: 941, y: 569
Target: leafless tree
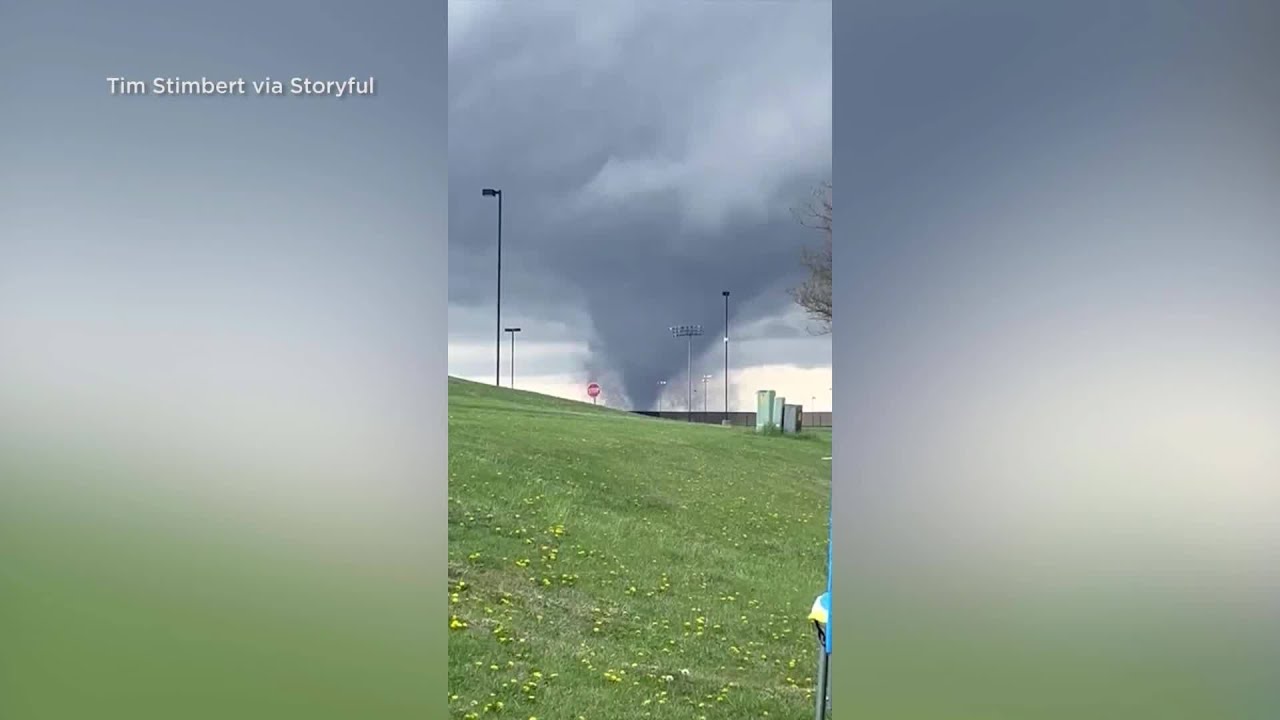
x: 814, y: 294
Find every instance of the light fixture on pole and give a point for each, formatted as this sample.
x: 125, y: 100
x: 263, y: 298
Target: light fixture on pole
x: 497, y: 360
x: 725, y: 293
x: 689, y: 332
x: 513, y: 332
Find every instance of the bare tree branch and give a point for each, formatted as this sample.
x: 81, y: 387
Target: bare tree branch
x: 814, y: 294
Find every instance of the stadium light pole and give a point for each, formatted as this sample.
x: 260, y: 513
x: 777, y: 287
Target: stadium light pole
x: 497, y: 360
x: 725, y: 293
x: 513, y: 332
x: 689, y: 332
x: 705, y: 378
x: 662, y: 384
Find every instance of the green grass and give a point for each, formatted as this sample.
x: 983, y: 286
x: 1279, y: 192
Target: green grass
x: 140, y: 590
x: 608, y: 566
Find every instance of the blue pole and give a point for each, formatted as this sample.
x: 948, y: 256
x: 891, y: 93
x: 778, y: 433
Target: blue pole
x: 830, y: 604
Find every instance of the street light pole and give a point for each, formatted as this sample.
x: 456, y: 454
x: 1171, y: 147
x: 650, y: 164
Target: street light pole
x: 513, y: 332
x: 726, y: 353
x: 497, y: 360
x: 689, y: 332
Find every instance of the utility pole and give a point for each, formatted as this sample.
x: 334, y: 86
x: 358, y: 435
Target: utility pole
x: 497, y: 360
x: 513, y: 332
x: 689, y: 332
x: 725, y: 293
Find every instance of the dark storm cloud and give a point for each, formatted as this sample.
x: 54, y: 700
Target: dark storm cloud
x: 649, y: 155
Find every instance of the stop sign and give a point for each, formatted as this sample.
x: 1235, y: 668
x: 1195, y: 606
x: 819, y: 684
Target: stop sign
x: 593, y: 390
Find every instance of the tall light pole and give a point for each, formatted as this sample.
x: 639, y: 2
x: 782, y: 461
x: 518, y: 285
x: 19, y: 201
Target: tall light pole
x: 689, y: 332
x: 513, y: 332
x: 725, y: 293
x: 497, y: 360
x: 705, y: 378
x: 662, y: 384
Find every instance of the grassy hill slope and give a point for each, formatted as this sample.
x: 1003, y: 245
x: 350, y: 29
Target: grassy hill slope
x: 607, y: 566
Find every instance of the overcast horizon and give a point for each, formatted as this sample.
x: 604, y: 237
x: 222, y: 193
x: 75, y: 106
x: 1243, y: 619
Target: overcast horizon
x: 650, y: 158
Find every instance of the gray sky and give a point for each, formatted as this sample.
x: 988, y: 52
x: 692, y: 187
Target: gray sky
x: 1059, y: 283
x: 649, y: 155
x: 251, y: 265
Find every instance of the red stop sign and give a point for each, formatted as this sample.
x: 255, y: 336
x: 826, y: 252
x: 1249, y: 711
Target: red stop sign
x: 593, y: 389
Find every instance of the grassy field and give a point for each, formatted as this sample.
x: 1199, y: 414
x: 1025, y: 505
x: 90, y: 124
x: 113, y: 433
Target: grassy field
x: 606, y: 566
x: 172, y: 586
